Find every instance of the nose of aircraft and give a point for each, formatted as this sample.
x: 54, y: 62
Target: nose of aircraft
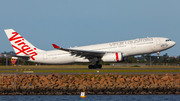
x: 173, y: 43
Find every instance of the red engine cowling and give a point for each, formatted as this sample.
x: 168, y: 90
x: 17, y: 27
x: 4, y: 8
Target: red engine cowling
x: 112, y: 57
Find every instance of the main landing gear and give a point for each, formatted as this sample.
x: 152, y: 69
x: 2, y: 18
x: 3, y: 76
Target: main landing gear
x: 97, y: 66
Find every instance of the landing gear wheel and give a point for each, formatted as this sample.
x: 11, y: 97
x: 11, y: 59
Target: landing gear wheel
x: 94, y: 66
x: 99, y: 66
x: 90, y: 66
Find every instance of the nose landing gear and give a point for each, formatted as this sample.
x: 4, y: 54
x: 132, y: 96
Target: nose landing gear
x: 157, y: 55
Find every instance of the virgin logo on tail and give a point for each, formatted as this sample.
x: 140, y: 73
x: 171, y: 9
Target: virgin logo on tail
x: 24, y: 48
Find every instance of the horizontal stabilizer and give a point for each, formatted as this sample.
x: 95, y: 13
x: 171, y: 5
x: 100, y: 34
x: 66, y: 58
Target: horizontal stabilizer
x: 21, y: 57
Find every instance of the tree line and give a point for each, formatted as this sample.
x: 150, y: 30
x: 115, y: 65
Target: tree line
x: 154, y: 59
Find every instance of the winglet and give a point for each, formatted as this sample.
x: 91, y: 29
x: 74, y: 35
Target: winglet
x: 55, y: 46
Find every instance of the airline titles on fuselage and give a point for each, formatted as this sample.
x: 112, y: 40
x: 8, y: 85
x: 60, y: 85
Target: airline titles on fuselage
x: 131, y: 42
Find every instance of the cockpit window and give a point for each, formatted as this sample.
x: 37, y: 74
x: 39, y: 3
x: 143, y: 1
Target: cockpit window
x: 168, y: 40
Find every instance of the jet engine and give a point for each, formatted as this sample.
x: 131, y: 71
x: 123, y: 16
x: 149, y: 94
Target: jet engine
x: 112, y: 57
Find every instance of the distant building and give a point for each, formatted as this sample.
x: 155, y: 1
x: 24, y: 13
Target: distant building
x: 7, y: 54
x: 173, y: 57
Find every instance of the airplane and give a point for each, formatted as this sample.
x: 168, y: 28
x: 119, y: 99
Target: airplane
x: 107, y: 52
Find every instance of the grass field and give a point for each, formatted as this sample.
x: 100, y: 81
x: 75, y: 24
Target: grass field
x: 73, y: 69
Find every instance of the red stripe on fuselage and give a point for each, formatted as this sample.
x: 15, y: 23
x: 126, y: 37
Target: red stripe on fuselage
x: 117, y: 57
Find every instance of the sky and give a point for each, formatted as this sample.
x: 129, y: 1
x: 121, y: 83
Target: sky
x: 70, y: 23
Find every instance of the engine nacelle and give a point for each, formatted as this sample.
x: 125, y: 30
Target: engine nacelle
x: 112, y: 57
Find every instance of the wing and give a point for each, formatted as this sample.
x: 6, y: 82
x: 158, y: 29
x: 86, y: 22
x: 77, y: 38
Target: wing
x: 88, y: 54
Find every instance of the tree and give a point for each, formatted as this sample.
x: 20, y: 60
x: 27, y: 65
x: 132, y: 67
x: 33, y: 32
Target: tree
x: 132, y: 59
x: 164, y: 58
x: 173, y: 60
x: 147, y: 57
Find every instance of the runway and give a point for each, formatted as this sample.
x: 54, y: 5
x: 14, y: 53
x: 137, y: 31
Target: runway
x: 122, y: 71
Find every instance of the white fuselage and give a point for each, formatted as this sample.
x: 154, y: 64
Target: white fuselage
x: 127, y: 48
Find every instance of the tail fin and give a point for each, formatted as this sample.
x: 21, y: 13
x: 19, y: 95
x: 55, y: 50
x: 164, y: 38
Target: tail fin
x: 20, y: 45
